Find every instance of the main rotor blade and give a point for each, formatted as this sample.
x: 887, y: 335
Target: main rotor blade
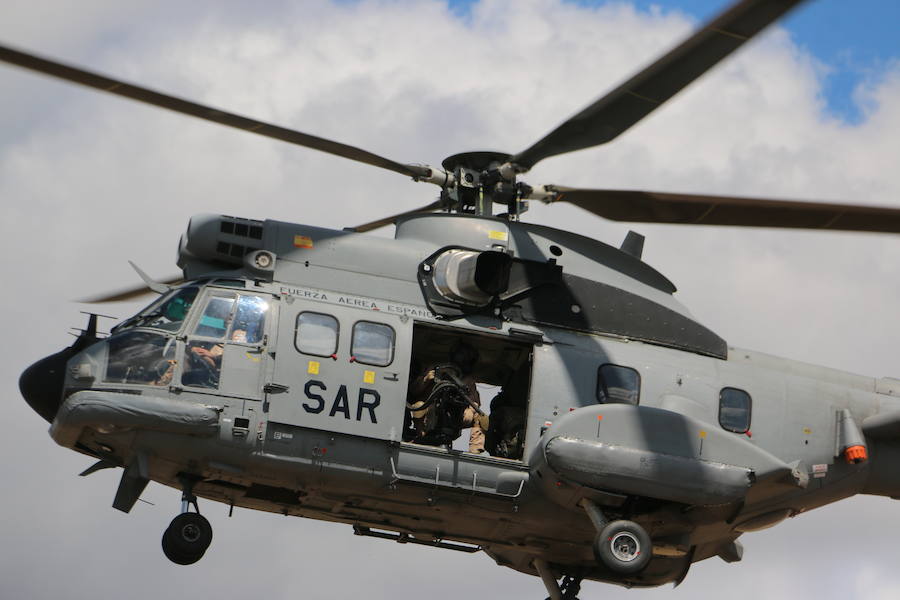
x: 697, y: 209
x: 388, y: 220
x: 129, y: 293
x: 147, y: 96
x: 618, y: 110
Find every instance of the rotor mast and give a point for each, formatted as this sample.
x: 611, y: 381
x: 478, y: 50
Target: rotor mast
x: 472, y: 182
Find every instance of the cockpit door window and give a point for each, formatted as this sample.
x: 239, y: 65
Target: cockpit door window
x: 249, y: 320
x: 217, y: 348
x: 216, y: 317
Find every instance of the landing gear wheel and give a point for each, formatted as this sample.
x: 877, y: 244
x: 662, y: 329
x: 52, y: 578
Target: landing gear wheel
x: 623, y: 547
x: 173, y: 554
x: 187, y: 538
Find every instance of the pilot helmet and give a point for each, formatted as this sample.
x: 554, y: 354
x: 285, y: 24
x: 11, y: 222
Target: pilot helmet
x: 176, y: 308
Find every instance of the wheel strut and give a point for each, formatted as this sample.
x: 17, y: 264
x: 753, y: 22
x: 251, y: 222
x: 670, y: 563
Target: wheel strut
x: 549, y: 580
x: 595, y: 514
x: 565, y: 589
x: 188, y: 498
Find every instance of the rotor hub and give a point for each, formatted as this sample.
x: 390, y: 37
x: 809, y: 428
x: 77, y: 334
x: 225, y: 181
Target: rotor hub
x: 482, y: 160
x: 481, y: 179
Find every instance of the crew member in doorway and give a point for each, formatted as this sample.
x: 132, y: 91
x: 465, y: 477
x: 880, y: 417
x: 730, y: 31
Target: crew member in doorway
x: 433, y: 393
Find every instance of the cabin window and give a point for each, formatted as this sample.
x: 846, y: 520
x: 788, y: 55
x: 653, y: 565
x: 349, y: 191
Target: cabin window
x: 618, y: 385
x: 373, y: 343
x: 734, y: 410
x: 316, y: 334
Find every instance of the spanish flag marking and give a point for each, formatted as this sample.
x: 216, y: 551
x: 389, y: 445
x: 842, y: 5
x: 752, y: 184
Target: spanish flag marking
x: 302, y: 241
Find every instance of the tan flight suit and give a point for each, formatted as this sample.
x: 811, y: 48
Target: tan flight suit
x: 420, y: 389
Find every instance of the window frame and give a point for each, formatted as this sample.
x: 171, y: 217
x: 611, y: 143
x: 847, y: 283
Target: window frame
x: 393, y: 343
x: 749, y: 409
x: 337, y: 333
x: 602, y: 382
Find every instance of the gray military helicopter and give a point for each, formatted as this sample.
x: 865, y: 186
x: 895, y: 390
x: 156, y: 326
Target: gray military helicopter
x: 628, y: 442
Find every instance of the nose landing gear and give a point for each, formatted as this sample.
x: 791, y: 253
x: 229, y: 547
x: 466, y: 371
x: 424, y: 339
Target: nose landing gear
x: 189, y: 534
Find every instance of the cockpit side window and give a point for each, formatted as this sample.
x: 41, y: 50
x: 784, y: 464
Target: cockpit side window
x: 216, y: 317
x: 618, y: 385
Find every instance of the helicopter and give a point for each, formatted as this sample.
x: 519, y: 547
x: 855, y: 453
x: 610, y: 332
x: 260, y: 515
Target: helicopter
x: 361, y: 411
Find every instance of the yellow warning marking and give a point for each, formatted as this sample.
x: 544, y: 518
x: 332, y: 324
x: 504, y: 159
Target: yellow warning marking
x: 313, y: 367
x: 368, y: 376
x: 807, y: 430
x: 703, y: 434
x: 251, y: 357
x: 498, y: 235
x: 302, y: 241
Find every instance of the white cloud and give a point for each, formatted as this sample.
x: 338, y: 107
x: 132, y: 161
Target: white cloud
x: 88, y: 181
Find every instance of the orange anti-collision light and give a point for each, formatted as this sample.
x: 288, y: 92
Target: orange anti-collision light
x: 856, y: 454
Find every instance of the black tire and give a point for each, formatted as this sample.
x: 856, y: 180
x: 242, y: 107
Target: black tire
x: 623, y: 547
x: 173, y: 554
x: 187, y: 538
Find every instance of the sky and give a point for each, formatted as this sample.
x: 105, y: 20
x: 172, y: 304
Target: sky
x: 809, y: 111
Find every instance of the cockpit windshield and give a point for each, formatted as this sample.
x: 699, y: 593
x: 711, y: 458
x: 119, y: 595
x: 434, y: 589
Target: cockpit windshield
x: 154, y: 347
x: 166, y: 313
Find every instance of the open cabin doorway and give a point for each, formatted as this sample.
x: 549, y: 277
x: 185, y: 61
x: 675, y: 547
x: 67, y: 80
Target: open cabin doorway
x: 502, y: 375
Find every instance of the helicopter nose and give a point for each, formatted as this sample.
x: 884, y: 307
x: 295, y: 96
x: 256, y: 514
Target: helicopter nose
x: 41, y: 384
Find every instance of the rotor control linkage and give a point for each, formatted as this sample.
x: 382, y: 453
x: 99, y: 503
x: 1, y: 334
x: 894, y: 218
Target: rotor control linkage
x: 622, y: 546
